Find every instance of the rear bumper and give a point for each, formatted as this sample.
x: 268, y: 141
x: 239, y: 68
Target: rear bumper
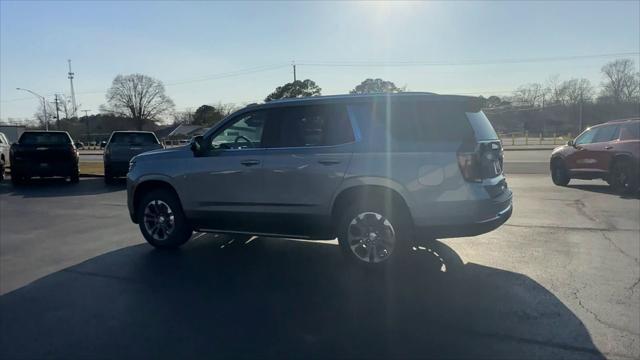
x: 117, y: 168
x: 51, y: 169
x: 471, y: 229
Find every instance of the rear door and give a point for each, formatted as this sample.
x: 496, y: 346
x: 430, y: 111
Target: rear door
x: 304, y: 163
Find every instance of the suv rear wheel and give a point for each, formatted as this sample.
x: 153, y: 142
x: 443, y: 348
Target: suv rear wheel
x: 559, y: 173
x: 162, y: 221
x: 373, y: 235
x: 623, y: 178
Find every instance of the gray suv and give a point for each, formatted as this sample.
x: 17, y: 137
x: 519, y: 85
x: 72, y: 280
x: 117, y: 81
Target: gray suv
x: 122, y: 147
x: 375, y: 171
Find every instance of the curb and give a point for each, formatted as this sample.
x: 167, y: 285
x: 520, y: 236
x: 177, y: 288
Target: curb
x: 528, y: 149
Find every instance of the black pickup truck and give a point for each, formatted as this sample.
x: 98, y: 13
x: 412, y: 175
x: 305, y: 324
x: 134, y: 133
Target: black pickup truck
x: 44, y: 154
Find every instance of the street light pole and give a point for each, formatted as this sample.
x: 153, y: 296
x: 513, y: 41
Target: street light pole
x: 44, y: 106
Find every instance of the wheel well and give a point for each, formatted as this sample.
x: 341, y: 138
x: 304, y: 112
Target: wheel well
x: 369, y: 193
x: 146, y: 187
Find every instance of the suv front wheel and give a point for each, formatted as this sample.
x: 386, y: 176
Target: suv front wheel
x: 559, y: 173
x: 373, y: 235
x: 161, y: 220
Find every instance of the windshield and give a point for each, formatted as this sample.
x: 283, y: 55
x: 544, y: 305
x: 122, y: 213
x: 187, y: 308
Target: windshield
x: 44, y: 138
x: 134, y: 139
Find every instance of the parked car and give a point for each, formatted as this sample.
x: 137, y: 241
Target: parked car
x: 44, y: 154
x: 609, y: 151
x: 375, y: 171
x: 79, y: 145
x: 124, y: 145
x: 4, y: 155
x: 103, y: 144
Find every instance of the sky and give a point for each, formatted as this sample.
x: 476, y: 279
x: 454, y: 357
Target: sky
x: 239, y: 52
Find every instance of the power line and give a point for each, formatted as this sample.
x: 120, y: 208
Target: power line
x: 460, y: 63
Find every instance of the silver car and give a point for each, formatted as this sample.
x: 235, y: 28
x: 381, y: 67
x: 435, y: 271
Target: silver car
x: 375, y: 171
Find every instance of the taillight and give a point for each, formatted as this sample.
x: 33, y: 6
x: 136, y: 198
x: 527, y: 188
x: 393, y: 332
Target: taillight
x: 469, y: 166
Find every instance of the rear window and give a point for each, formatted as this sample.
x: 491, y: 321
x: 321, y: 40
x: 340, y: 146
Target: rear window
x: 134, y: 139
x: 44, y: 138
x: 481, y: 126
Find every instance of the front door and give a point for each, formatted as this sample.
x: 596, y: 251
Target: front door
x: 227, y: 182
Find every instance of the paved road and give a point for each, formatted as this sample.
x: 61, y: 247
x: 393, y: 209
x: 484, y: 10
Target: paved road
x: 559, y: 280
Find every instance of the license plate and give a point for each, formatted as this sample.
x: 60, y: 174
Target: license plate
x: 44, y: 165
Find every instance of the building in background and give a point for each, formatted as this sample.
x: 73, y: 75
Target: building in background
x: 12, y: 132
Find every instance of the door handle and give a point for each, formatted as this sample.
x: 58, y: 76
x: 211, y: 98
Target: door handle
x: 249, y: 162
x: 329, y: 162
x: 608, y: 147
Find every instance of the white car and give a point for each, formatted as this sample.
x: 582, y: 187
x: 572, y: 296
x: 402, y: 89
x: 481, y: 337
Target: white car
x: 4, y: 154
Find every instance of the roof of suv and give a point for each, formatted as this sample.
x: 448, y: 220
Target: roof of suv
x: 359, y: 97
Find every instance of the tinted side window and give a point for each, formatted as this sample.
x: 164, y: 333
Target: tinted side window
x: 630, y: 132
x: 428, y: 122
x: 306, y: 126
x: 605, y: 133
x: 243, y: 132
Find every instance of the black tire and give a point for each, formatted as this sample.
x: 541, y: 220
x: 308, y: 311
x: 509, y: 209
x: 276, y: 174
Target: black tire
x: 367, y: 212
x: 75, y: 177
x: 169, y: 236
x: 16, y: 178
x: 108, y: 177
x: 559, y: 174
x: 624, y: 177
x: 1, y: 170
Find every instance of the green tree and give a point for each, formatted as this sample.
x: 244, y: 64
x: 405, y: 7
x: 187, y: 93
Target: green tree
x: 207, y: 115
x: 376, y: 86
x: 295, y: 89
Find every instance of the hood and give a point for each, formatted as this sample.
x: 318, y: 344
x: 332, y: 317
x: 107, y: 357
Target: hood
x: 179, y: 152
x: 560, y: 149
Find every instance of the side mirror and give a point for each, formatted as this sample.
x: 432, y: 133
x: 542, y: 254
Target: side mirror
x: 570, y: 143
x: 196, y: 144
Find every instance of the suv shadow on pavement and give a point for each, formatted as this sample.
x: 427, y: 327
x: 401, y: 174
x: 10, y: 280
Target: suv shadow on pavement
x: 604, y: 189
x: 56, y: 187
x: 276, y: 298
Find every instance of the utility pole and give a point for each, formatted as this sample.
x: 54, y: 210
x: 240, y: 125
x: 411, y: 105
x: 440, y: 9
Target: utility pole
x: 73, y: 93
x: 580, y: 118
x: 57, y: 114
x: 86, y: 119
x: 294, y: 71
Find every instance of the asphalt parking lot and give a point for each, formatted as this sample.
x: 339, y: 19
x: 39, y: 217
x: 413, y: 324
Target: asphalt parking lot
x: 559, y: 280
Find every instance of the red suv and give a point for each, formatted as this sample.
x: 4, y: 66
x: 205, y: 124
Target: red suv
x: 609, y: 151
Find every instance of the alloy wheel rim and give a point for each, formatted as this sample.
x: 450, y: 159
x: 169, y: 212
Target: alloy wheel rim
x: 159, y: 220
x: 371, y: 237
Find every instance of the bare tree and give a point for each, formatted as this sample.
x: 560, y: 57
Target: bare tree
x: 576, y: 91
x: 555, y: 89
x: 622, y: 82
x: 529, y: 94
x: 139, y: 97
x: 51, y: 114
x: 183, y: 117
